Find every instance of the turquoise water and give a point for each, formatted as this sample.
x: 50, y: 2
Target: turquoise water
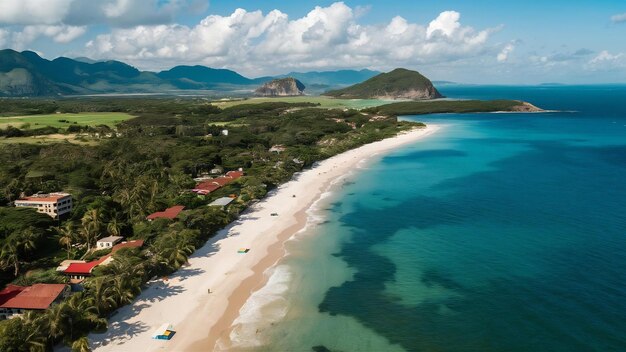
x: 501, y: 232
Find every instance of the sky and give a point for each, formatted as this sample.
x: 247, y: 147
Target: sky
x: 478, y: 41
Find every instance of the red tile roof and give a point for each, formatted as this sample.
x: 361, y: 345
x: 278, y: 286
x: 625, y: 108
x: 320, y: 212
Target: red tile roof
x: 234, y: 174
x: 83, y: 268
x: 37, y: 296
x: 86, y: 268
x: 222, y: 181
x: 206, y: 187
x: 52, y: 197
x: 9, y: 292
x: 169, y: 213
x: 129, y: 244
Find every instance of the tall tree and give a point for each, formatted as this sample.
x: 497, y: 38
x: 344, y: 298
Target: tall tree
x: 92, y: 223
x: 57, y: 320
x: 100, y: 295
x: 114, y: 227
x: 10, y: 256
x: 17, y: 247
x: 81, y: 345
x: 67, y: 236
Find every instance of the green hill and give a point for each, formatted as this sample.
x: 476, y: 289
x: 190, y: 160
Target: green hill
x: 397, y: 84
x: 201, y: 77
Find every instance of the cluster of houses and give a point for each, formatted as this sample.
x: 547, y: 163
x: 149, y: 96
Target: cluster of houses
x: 78, y: 270
x: 16, y: 299
x: 212, y: 185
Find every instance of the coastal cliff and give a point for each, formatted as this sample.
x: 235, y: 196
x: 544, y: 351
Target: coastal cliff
x: 282, y: 87
x: 397, y: 84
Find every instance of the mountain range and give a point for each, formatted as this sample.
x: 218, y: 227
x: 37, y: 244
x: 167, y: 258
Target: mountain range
x: 27, y: 74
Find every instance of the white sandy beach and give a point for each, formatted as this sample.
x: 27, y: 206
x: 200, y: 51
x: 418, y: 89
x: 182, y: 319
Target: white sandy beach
x: 201, y: 318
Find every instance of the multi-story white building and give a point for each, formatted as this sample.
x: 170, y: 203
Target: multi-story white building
x: 52, y: 204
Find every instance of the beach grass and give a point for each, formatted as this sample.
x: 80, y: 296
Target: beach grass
x: 324, y: 102
x: 64, y: 120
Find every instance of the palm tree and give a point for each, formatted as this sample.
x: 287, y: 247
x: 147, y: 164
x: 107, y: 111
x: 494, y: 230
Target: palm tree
x: 92, y: 225
x: 153, y: 192
x: 176, y: 250
x: 123, y: 290
x: 83, y: 310
x: 27, y: 239
x: 100, y: 295
x: 114, y: 227
x: 81, y: 345
x: 66, y: 236
x: 35, y: 337
x: 57, y: 320
x: 16, y: 246
x: 10, y: 256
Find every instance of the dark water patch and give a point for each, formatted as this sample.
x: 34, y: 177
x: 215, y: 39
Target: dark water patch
x: 554, y: 263
x: 426, y: 154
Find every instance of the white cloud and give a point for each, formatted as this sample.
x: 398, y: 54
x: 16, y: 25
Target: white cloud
x: 21, y: 39
x: 33, y: 11
x: 445, y: 24
x: 619, y: 18
x: 326, y: 37
x: 604, y: 58
x: 124, y: 13
x: 504, y: 54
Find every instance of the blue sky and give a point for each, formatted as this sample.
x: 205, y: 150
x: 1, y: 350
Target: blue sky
x: 480, y: 41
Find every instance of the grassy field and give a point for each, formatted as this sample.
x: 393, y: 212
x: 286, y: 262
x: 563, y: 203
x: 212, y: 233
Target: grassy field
x: 54, y: 120
x: 325, y: 102
x: 49, y: 139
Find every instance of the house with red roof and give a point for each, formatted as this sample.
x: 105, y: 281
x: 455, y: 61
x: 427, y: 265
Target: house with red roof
x: 79, y: 271
x: 17, y: 299
x: 208, y: 186
x: 169, y: 213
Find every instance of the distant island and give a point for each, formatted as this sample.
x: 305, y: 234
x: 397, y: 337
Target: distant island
x: 397, y: 84
x: 281, y: 87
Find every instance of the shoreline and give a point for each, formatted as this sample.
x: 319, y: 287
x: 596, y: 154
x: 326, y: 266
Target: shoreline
x: 203, y: 319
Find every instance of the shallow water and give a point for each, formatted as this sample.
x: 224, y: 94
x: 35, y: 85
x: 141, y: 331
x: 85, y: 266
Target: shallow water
x: 501, y: 232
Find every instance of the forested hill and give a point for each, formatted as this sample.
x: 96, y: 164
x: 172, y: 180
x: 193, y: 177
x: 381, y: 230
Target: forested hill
x: 397, y: 84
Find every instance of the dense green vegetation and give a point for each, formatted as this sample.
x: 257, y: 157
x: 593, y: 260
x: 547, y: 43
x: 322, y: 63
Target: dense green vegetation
x: 444, y: 106
x: 321, y: 101
x: 147, y: 165
x: 394, y: 83
x: 63, y: 121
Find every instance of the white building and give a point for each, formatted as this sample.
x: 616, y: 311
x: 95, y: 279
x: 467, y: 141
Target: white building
x: 52, y: 204
x: 108, y: 242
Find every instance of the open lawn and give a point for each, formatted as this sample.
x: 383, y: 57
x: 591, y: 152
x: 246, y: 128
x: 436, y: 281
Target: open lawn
x: 325, y: 102
x: 49, y: 139
x: 65, y: 120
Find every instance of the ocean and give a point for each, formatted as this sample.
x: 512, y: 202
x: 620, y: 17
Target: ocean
x: 500, y: 232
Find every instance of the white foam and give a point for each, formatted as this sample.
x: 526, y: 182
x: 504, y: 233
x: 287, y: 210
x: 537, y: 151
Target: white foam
x: 264, y: 307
